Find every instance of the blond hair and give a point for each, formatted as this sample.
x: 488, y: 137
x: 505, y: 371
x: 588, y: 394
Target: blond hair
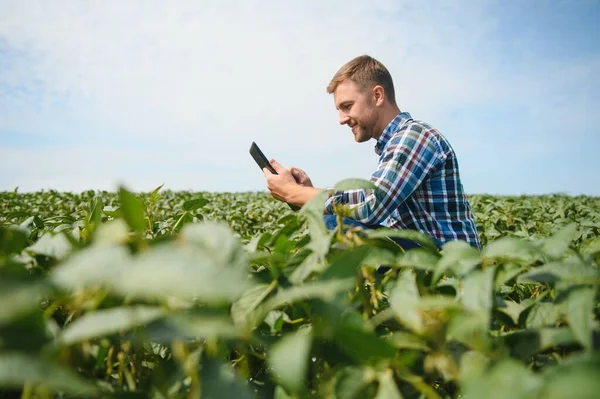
x: 366, y: 72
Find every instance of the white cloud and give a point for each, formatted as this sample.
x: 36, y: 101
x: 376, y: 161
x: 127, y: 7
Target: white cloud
x: 195, y: 82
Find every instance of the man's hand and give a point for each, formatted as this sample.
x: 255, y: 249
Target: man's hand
x: 281, y: 185
x: 301, y: 177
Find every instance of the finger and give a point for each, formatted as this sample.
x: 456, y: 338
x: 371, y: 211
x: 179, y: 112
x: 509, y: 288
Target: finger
x: 278, y: 168
x: 267, y: 172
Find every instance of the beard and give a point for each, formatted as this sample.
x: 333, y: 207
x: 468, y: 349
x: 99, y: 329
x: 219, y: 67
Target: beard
x: 365, y: 129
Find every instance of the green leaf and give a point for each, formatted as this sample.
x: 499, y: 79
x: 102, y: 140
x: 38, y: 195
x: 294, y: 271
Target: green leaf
x: 289, y: 360
x: 544, y: 314
x: 310, y: 264
x: 569, y: 271
x: 404, y: 300
x: 320, y: 236
x: 351, y: 382
x: 404, y: 340
x: 512, y: 249
x: 110, y: 233
x: 419, y: 258
x: 182, y: 272
x: 104, y: 322
x: 354, y: 184
x: 91, y: 267
x: 248, y: 302
x: 17, y: 299
x: 421, y: 238
x: 470, y: 329
x: 387, y: 386
x: 220, y: 381
x: 458, y: 256
x: 363, y: 346
x: 478, y: 288
x: 525, y: 343
x: 505, y: 376
x: 154, y: 194
x: 12, y: 240
x: 17, y: 369
x: 193, y: 204
x: 218, y: 241
x: 132, y: 210
x: 576, y: 377
x: 590, y: 247
x: 280, y: 393
x: 472, y: 365
x: 580, y: 315
x: 190, y: 326
x: 96, y: 210
x: 556, y: 245
x: 318, y: 289
x: 346, y: 264
x: 512, y: 309
x: 56, y: 246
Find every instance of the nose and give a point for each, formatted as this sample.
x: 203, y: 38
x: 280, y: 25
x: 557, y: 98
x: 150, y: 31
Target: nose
x: 344, y: 118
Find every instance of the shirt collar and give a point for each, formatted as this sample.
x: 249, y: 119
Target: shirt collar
x: 390, y: 129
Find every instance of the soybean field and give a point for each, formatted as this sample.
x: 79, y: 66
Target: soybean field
x: 177, y: 294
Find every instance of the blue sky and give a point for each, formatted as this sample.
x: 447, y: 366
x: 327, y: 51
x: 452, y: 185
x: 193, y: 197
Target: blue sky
x: 95, y: 94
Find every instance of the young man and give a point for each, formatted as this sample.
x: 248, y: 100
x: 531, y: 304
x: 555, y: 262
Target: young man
x: 417, y: 178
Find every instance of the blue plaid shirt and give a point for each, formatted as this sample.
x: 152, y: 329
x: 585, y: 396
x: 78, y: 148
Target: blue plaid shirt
x: 418, y: 185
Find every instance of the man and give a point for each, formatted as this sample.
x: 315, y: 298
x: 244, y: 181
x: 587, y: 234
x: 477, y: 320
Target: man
x: 417, y: 179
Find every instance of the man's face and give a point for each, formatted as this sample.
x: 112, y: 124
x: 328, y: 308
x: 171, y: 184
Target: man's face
x: 357, y: 109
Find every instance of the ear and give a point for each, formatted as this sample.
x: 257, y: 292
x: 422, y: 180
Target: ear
x: 378, y: 95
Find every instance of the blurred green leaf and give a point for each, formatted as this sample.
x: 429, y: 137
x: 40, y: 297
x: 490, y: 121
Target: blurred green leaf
x: 191, y: 274
x: 569, y: 272
x: 19, y: 298
x: 544, y: 314
x: 556, y: 245
x: 580, y: 309
x: 18, y: 369
x: 132, y: 210
x: 477, y: 292
x: 56, y: 246
x: 217, y: 241
x: 387, y: 387
x: 505, y: 377
x: 220, y: 381
x: 419, y: 258
x: 525, y: 343
x: 91, y: 267
x: 346, y: 264
x: 351, y: 382
x: 459, y: 257
x: 110, y: 321
x: 354, y: 184
x: 573, y: 378
x: 12, y: 240
x: 244, y: 306
x: 404, y: 300
x: 421, y: 238
x: 511, y: 248
x: 289, y: 360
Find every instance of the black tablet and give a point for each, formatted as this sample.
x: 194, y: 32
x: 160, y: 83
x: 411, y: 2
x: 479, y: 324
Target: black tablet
x: 263, y: 162
x: 260, y: 158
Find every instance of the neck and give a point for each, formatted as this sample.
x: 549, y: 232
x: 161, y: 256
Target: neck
x: 387, y: 114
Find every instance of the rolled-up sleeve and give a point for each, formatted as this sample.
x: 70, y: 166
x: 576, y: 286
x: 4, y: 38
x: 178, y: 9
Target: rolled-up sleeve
x: 409, y: 158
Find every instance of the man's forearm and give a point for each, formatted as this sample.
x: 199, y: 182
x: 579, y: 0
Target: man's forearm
x: 300, y: 195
